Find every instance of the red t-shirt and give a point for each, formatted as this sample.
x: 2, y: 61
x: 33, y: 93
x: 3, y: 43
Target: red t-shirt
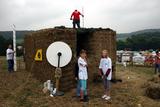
x: 76, y: 15
x: 157, y: 59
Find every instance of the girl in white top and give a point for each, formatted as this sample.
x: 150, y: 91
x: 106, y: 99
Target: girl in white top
x: 83, y: 76
x: 105, y: 68
x: 82, y: 69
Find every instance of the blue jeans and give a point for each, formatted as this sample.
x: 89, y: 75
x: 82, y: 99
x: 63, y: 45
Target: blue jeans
x: 157, y: 68
x: 76, y: 22
x: 10, y: 65
x: 83, y: 85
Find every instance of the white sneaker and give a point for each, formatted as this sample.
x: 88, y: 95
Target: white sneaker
x: 104, y: 96
x: 54, y: 91
x: 51, y: 95
x: 107, y: 98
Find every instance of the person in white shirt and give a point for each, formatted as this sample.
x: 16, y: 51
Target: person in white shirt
x: 105, y: 69
x: 9, y: 57
x: 83, y: 76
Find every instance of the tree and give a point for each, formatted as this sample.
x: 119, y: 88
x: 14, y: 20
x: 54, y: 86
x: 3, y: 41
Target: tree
x: 4, y: 44
x: 121, y: 44
x: 144, y: 41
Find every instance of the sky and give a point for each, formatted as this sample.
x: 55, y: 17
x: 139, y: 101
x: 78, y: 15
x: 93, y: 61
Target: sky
x: 120, y: 15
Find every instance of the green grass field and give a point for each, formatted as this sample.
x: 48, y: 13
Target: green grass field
x: 3, y: 62
x: 147, y: 71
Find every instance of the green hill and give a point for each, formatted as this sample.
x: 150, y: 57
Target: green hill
x: 143, y: 40
x: 120, y: 36
x: 19, y: 35
x: 124, y: 36
x: 139, y: 40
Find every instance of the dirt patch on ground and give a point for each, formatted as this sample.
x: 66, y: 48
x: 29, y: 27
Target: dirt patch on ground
x: 20, y: 89
x: 153, y: 87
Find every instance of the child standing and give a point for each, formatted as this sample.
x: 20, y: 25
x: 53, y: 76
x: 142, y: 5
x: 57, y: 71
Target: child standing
x: 83, y: 76
x: 106, y: 73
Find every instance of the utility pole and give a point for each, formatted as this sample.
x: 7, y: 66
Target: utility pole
x: 83, y: 16
x: 14, y: 46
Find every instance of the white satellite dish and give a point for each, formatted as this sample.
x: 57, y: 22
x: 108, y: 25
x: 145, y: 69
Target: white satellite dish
x: 59, y: 54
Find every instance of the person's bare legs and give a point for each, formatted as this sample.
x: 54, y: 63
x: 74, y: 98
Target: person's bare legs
x: 107, y: 89
x: 107, y: 92
x: 81, y: 95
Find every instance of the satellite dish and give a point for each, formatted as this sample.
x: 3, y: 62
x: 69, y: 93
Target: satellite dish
x: 59, y: 54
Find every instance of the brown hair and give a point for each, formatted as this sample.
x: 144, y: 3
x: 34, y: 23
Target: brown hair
x: 83, y: 51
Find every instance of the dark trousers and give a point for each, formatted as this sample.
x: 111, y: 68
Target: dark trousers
x: 76, y: 22
x: 78, y: 88
x: 10, y: 65
x: 157, y: 68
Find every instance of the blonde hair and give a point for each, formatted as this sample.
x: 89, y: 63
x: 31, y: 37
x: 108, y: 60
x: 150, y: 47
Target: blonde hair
x: 104, y: 51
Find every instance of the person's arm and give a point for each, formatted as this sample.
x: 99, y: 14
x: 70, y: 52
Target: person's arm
x: 100, y: 72
x: 71, y: 16
x: 108, y: 72
x: 85, y: 60
x: 100, y: 69
x: 10, y: 52
x: 109, y: 67
x: 81, y: 14
x: 82, y: 63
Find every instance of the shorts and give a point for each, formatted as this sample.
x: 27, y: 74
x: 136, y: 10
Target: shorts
x: 106, y: 83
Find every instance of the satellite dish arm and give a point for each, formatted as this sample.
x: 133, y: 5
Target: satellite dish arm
x: 59, y: 55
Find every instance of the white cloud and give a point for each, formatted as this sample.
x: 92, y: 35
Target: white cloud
x: 120, y: 15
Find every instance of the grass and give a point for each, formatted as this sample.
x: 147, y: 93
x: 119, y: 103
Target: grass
x: 142, y: 70
x: 21, y: 89
x: 3, y: 62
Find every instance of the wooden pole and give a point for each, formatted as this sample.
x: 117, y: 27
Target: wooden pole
x: 83, y: 17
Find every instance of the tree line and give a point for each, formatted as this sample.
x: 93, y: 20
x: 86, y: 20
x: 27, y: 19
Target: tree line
x: 4, y: 42
x: 144, y: 41
x: 4, y: 45
x: 138, y: 42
